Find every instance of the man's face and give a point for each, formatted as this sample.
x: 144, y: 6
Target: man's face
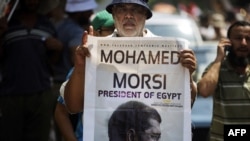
x: 104, y: 31
x: 240, y: 40
x: 153, y: 133
x: 129, y: 19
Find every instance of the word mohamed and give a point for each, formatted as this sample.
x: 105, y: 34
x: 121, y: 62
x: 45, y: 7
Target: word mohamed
x: 136, y: 57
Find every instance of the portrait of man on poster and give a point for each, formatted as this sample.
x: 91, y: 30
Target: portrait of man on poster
x: 134, y: 121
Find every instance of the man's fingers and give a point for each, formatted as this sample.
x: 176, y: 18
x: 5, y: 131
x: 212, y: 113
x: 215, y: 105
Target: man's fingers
x: 188, y: 60
x: 86, y: 33
x: 91, y: 30
x: 86, y: 51
x: 82, y: 51
x: 84, y: 38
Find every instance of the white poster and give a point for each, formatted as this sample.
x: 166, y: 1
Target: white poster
x: 139, y: 72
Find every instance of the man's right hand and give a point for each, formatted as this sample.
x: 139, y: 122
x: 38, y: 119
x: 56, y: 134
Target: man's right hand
x: 221, y: 49
x: 74, y: 89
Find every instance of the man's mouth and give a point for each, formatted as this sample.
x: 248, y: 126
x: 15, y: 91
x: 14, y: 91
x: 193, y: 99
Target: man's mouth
x: 243, y: 49
x: 129, y: 25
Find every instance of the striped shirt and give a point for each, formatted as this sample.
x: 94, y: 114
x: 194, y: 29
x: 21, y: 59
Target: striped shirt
x: 231, y: 104
x: 25, y: 66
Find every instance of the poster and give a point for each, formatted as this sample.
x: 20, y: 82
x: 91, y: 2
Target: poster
x: 145, y: 70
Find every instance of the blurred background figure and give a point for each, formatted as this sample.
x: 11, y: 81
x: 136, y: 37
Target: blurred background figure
x: 54, y: 9
x: 70, y: 31
x: 190, y: 8
x: 230, y: 18
x: 219, y: 24
x: 70, y: 24
x: 247, y: 12
x: 29, y: 49
x: 194, y: 10
x: 206, y: 29
x: 212, y: 26
x: 164, y: 7
x: 103, y: 24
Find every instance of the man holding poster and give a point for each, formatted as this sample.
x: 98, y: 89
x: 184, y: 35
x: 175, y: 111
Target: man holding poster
x: 132, y: 68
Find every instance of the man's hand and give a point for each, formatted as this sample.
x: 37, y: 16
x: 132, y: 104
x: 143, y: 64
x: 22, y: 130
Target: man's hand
x: 82, y: 51
x: 188, y: 60
x: 221, y: 48
x: 74, y: 90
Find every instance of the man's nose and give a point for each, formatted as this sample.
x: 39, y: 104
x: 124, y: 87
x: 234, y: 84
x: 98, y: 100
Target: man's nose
x: 129, y: 13
x: 244, y: 41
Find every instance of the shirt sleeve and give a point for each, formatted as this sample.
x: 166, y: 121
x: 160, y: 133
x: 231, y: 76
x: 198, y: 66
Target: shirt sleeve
x: 62, y: 88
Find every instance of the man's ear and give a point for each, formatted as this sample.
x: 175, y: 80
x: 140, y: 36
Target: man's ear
x: 130, y: 135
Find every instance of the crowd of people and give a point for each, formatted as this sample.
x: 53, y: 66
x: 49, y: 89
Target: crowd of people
x: 43, y: 48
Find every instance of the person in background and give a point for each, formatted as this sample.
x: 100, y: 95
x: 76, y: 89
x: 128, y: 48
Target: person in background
x: 54, y: 9
x: 103, y: 25
x: 29, y: 48
x: 70, y: 32
x: 219, y: 24
x: 164, y: 7
x: 129, y: 18
x: 227, y: 79
x: 231, y: 17
x: 212, y: 26
x: 206, y: 28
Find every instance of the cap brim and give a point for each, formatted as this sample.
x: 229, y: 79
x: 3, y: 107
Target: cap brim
x: 110, y: 6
